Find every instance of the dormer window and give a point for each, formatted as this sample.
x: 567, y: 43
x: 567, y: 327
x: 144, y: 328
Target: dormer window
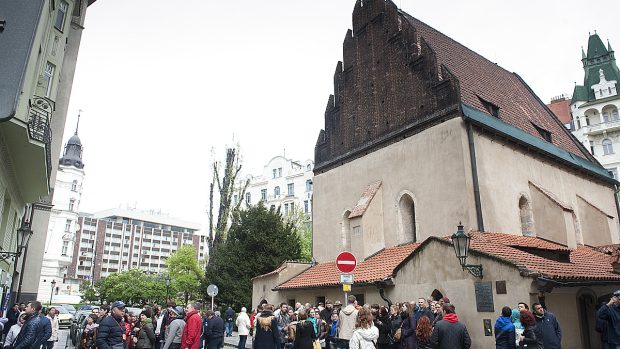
x: 491, y: 108
x: 546, y: 135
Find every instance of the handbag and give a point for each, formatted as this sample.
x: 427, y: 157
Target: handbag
x: 316, y: 344
x: 397, y: 334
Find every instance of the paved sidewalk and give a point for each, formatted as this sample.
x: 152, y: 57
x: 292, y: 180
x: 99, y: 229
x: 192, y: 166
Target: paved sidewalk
x: 234, y: 341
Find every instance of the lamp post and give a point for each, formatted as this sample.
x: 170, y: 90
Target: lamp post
x: 52, y: 293
x: 23, y: 239
x: 460, y: 242
x: 167, y: 288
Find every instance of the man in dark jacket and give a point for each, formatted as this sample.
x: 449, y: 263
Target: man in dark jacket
x: 111, y: 332
x: 11, y: 315
x: 547, y: 327
x: 230, y: 317
x: 215, y: 331
x: 608, y: 321
x: 31, y: 335
x: 449, y: 333
x: 422, y: 310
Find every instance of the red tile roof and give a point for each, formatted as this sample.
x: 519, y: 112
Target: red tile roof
x: 480, y: 78
x: 377, y: 267
x: 365, y: 199
x: 586, y: 263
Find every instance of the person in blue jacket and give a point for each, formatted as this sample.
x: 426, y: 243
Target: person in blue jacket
x: 608, y: 321
x: 31, y: 336
x: 505, y: 334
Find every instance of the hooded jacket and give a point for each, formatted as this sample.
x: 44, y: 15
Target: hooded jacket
x: 449, y: 333
x: 348, y: 317
x: 364, y: 338
x: 191, y: 332
x: 505, y: 335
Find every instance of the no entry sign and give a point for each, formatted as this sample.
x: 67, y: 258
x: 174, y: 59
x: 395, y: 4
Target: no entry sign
x: 346, y: 262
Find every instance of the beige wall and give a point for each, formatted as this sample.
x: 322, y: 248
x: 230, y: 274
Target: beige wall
x: 441, y: 190
x: 262, y: 286
x: 503, y: 182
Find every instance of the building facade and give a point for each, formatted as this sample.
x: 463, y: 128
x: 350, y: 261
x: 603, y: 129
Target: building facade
x: 595, y: 104
x: 62, y: 225
x: 118, y: 240
x: 422, y: 133
x: 284, y: 183
x: 39, y: 46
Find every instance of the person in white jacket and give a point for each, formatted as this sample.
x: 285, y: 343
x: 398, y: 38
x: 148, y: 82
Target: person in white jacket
x: 52, y: 314
x: 14, y: 331
x: 366, y: 333
x: 243, y: 327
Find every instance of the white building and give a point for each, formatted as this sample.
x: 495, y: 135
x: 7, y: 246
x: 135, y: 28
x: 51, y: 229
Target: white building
x: 284, y: 183
x: 594, y: 106
x: 62, y: 226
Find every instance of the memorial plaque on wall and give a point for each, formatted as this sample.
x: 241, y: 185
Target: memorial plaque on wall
x: 484, y: 296
x: 500, y: 287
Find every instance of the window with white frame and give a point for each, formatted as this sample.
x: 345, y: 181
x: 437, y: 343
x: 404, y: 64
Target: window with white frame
x: 280, y: 172
x: 74, y: 185
x: 71, y: 204
x: 306, y: 206
x: 291, y: 188
x: 248, y: 198
x: 275, y: 173
x: 61, y: 15
x: 65, y: 247
x: 48, y: 76
x: 309, y: 185
x: 276, y: 191
x: 286, y: 209
x: 68, y: 225
x: 263, y: 194
x: 608, y: 147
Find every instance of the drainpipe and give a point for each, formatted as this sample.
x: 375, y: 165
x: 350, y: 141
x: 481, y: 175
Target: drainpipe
x: 381, y: 287
x: 617, y: 206
x: 474, y: 175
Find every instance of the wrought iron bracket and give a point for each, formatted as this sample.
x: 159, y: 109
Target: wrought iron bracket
x: 474, y: 269
x: 5, y: 255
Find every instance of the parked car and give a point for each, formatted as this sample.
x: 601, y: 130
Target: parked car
x: 64, y: 317
x: 86, y: 309
x: 77, y: 327
x: 70, y: 308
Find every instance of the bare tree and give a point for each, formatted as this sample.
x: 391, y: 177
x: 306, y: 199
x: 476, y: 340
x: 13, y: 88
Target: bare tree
x: 226, y: 188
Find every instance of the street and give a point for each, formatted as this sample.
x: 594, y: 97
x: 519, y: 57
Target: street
x: 63, y: 340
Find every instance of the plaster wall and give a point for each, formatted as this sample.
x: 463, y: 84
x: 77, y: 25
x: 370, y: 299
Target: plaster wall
x: 502, y: 183
x: 262, y: 286
x: 371, y: 295
x: 372, y: 221
x: 442, y: 190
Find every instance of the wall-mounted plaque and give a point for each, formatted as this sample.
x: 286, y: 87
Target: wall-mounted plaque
x: 488, y: 329
x: 500, y: 287
x: 484, y: 296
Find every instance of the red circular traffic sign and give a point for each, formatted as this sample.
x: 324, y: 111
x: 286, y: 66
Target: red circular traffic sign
x: 346, y: 262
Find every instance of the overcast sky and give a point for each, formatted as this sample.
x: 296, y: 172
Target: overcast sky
x: 165, y: 86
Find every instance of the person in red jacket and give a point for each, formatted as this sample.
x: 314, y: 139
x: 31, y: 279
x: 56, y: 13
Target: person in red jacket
x: 193, y: 323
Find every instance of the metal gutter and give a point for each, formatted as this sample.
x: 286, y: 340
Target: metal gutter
x: 474, y: 175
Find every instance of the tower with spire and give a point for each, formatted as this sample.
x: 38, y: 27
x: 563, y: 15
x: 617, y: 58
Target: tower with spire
x: 595, y: 104
x: 59, y: 245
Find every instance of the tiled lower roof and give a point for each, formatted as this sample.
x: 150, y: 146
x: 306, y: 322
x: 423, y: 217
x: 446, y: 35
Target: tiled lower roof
x: 377, y: 267
x: 586, y: 263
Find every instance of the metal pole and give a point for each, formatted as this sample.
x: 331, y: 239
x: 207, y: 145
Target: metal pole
x: 346, y: 299
x: 212, y: 303
x: 52, y: 294
x: 21, y: 275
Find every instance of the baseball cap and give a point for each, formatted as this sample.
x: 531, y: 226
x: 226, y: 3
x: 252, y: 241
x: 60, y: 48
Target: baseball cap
x: 118, y: 304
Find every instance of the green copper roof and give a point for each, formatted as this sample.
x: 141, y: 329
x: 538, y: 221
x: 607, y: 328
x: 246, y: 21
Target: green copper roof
x: 486, y: 121
x: 580, y: 94
x: 596, y: 48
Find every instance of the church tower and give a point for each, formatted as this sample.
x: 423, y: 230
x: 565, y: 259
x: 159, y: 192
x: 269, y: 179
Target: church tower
x: 63, y: 226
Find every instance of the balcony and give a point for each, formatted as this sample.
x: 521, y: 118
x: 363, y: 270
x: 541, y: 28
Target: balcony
x: 28, y: 138
x: 609, y: 126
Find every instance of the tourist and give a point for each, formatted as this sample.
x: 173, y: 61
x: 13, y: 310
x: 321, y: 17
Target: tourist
x: 146, y: 336
x: 449, y: 333
x: 190, y: 338
x: 230, y: 316
x: 243, y: 327
x: 548, y: 327
x: 383, y: 323
x: 422, y: 310
x: 214, y: 334
x: 322, y: 328
x: 423, y: 333
x: 305, y: 333
x: 348, y: 319
x: 174, y: 331
x: 608, y: 321
x: 395, y: 322
x: 283, y: 320
x: 332, y: 331
x: 266, y: 334
x: 52, y: 316
x: 30, y: 336
x: 529, y: 339
x: 366, y: 333
x: 111, y: 332
x: 326, y: 313
x: 505, y: 335
x: 408, y: 327
x: 11, y: 336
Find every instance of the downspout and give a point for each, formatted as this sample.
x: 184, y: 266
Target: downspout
x: 381, y: 287
x: 474, y: 175
x: 617, y: 206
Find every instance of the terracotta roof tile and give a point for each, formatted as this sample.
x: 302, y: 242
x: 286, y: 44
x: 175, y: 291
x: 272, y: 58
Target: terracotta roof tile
x: 479, y: 77
x: 377, y: 267
x: 365, y: 199
x: 586, y: 263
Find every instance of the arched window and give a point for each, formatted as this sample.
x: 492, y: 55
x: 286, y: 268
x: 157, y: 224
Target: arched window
x: 276, y: 191
x: 406, y: 210
x: 345, y: 234
x: 525, y: 214
x: 606, y: 116
x: 608, y: 147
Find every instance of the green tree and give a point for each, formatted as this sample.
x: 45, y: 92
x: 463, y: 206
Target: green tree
x: 89, y: 294
x: 259, y: 240
x: 133, y: 287
x: 303, y: 227
x: 185, y: 271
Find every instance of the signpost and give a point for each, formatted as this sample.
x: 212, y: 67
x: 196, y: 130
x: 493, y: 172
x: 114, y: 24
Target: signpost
x: 212, y: 291
x: 346, y: 263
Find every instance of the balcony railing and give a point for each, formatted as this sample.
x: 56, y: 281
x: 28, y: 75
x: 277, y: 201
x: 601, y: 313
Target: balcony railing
x: 39, y: 125
x: 610, y: 125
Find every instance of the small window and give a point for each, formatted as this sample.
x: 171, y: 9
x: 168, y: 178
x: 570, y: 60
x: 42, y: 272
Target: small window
x: 263, y: 194
x: 546, y: 135
x: 357, y: 230
x: 248, y: 198
x: 68, y: 225
x: 280, y: 172
x: 48, y: 76
x: 61, y: 15
x: 491, y: 108
x: 608, y: 147
x: 286, y: 209
x: 276, y: 191
x: 306, y: 206
x: 275, y: 173
x: 74, y: 186
x: 606, y: 116
x: 291, y: 189
x: 308, y: 167
x: 309, y: 185
x: 72, y: 205
x: 65, y: 247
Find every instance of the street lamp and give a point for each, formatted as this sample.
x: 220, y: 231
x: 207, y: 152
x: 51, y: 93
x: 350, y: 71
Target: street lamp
x: 23, y: 238
x: 52, y: 293
x: 460, y: 242
x: 167, y: 288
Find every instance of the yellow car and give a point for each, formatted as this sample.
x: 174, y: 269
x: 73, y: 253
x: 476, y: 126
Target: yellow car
x: 64, y: 317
